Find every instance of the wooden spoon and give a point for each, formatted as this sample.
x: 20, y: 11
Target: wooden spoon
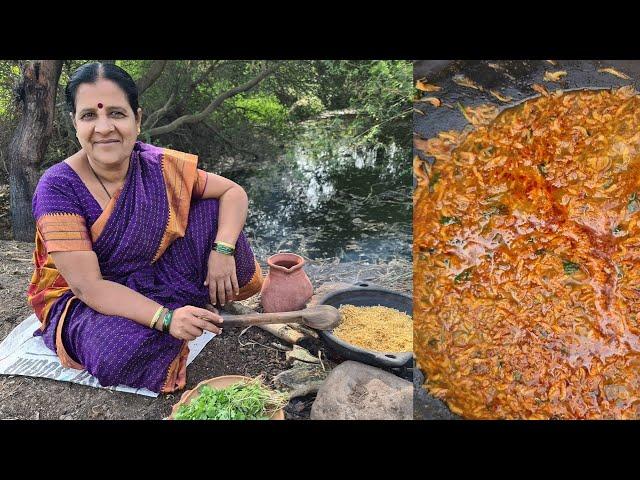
x: 320, y: 317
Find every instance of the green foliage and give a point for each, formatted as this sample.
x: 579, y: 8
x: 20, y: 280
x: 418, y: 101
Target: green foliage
x: 135, y: 68
x: 262, y: 109
x: 257, y: 122
x: 435, y: 178
x: 379, y: 90
x: 240, y: 401
x: 306, y: 107
x: 9, y: 74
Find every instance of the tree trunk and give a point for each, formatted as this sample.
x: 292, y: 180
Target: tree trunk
x: 37, y: 93
x: 151, y: 75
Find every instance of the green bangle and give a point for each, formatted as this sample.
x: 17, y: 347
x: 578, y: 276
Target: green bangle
x: 224, y: 249
x: 167, y: 321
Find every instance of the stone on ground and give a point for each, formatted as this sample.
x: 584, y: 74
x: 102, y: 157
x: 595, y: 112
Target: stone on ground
x: 355, y: 391
x: 301, y: 354
x: 303, y: 379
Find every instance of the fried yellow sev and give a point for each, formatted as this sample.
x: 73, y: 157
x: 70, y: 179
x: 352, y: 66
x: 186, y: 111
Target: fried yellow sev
x: 377, y: 328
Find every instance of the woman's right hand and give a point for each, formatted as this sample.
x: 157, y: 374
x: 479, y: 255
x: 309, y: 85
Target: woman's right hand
x: 189, y: 322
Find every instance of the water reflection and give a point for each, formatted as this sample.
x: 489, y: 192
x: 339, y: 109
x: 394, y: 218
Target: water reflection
x: 327, y: 198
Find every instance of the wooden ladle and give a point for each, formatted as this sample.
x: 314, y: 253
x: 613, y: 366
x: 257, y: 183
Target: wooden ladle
x: 320, y: 317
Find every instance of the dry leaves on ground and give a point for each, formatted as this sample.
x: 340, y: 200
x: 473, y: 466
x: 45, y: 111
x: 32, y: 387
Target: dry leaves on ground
x: 466, y: 82
x: 554, y: 76
x: 427, y: 87
x: 499, y: 96
x: 615, y: 72
x: 432, y: 100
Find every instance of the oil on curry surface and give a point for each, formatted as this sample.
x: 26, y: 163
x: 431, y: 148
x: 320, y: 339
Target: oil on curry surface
x: 526, y: 236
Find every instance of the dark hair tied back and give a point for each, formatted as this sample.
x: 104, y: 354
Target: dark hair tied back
x: 91, y: 72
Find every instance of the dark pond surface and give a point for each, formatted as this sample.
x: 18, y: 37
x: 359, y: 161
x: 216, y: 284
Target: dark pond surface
x: 325, y: 197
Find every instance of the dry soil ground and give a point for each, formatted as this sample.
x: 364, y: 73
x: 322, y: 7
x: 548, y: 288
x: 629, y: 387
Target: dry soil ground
x: 249, y: 354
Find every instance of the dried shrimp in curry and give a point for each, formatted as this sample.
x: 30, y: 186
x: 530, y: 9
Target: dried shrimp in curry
x: 526, y: 246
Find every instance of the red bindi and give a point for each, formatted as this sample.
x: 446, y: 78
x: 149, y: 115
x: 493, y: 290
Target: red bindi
x: 100, y: 105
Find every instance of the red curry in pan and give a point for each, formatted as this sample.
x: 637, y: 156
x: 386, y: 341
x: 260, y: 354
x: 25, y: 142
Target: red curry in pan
x: 526, y: 248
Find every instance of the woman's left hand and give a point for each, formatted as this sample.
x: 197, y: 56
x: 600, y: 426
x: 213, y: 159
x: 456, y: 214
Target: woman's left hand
x: 221, y: 278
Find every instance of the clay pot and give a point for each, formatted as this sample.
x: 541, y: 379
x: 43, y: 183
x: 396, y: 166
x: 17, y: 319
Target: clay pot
x: 217, y: 382
x: 287, y: 286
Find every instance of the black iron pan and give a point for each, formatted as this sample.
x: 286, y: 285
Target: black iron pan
x: 366, y: 295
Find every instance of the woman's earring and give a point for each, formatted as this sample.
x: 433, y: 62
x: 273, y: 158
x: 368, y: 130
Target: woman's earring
x: 138, y: 130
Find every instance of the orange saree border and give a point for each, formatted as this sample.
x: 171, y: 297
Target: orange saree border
x: 55, y: 232
x: 98, y: 226
x: 177, y: 371
x: 59, y: 232
x: 63, y: 232
x: 64, y: 357
x: 254, y: 285
x: 201, y: 184
x: 180, y: 172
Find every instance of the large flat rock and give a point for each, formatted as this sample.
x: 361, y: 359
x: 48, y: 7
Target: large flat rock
x: 355, y: 391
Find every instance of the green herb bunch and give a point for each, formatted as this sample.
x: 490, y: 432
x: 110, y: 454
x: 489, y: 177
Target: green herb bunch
x: 241, y: 401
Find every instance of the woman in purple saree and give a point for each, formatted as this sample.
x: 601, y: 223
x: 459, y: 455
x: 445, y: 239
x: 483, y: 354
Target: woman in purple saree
x: 122, y: 278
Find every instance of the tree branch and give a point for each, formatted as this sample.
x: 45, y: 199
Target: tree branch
x: 158, y: 114
x: 171, y: 106
x: 148, y: 79
x: 215, y: 103
x: 230, y: 142
x: 192, y: 86
x: 401, y: 114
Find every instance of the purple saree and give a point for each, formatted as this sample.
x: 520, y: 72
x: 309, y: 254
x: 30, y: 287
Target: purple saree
x: 154, y: 237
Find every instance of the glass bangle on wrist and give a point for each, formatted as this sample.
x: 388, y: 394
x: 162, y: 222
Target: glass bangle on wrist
x: 168, y: 316
x: 224, y: 248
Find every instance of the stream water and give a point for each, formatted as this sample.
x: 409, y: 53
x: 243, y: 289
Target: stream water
x: 326, y: 198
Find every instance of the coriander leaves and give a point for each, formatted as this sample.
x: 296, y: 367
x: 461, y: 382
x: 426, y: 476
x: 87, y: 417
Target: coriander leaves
x: 240, y: 401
